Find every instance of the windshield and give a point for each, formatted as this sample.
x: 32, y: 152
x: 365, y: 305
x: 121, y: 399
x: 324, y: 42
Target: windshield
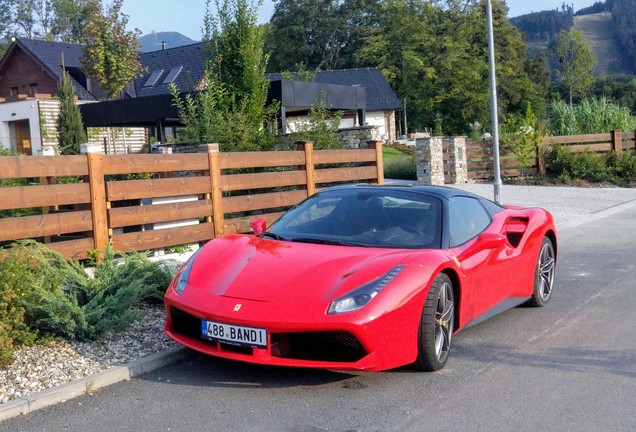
x: 375, y: 217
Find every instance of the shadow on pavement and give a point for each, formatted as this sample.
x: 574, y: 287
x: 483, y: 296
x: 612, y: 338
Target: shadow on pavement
x: 208, y: 371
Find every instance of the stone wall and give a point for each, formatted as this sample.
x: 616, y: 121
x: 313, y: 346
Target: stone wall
x: 357, y: 137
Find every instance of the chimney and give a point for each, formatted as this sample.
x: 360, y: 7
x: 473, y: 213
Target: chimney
x: 163, y: 45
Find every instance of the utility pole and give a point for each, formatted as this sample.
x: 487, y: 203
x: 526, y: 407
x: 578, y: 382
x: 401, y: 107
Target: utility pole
x: 493, y: 104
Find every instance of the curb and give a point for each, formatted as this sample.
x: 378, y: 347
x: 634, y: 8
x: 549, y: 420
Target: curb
x: 91, y: 383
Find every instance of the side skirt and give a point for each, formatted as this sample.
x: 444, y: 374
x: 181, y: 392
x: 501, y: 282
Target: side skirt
x: 496, y: 310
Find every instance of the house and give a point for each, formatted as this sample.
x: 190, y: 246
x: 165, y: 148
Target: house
x: 29, y: 74
x: 382, y: 103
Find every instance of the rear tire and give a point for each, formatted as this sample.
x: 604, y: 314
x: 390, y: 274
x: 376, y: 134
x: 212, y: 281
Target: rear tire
x: 543, y: 274
x: 436, y: 325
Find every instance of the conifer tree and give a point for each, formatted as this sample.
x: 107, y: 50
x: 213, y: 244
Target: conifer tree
x: 70, y: 126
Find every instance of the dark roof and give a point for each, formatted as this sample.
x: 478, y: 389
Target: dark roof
x: 190, y: 57
x: 50, y: 54
x: 191, y: 60
x: 380, y: 95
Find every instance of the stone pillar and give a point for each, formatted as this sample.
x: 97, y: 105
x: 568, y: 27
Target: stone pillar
x: 430, y: 161
x: 458, y: 161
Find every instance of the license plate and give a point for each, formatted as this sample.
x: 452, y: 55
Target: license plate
x: 234, y: 335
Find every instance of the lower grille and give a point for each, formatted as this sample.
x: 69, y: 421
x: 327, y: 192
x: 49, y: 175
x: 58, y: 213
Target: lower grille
x: 317, y: 346
x: 184, y: 323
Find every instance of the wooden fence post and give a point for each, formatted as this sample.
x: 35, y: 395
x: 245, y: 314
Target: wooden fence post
x: 216, y: 187
x: 308, y: 148
x: 99, y: 206
x: 379, y: 162
x: 540, y: 161
x: 617, y: 141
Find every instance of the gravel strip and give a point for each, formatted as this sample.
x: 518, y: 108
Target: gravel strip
x: 40, y: 367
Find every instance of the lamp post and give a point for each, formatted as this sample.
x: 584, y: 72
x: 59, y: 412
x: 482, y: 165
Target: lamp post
x: 493, y: 104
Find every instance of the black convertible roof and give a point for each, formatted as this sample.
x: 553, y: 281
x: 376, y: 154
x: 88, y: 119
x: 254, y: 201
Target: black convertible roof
x: 439, y: 191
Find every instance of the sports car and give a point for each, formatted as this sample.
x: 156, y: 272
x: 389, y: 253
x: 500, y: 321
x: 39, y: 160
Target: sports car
x: 362, y: 277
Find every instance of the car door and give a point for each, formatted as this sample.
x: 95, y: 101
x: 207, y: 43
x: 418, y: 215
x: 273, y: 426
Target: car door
x: 485, y: 257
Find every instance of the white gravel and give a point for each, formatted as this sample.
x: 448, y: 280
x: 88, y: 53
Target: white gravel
x: 40, y: 367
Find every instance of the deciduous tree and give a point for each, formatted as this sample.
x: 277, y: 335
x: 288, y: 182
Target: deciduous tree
x: 69, y: 19
x: 577, y: 61
x: 110, y: 55
x: 230, y: 109
x: 322, y: 34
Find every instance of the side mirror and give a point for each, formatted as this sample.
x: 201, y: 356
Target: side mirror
x: 484, y: 242
x: 258, y: 226
x: 491, y: 240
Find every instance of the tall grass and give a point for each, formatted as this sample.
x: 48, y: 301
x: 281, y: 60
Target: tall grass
x: 597, y: 115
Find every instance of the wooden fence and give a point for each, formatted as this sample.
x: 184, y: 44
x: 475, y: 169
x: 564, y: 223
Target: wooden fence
x: 203, y: 195
x: 480, y: 158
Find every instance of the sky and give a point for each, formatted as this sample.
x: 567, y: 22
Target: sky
x: 186, y: 16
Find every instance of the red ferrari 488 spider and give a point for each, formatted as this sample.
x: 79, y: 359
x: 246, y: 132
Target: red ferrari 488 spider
x: 362, y: 277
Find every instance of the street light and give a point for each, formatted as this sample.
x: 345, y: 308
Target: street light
x: 493, y: 104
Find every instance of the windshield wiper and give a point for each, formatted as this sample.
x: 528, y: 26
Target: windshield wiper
x: 325, y: 241
x: 274, y: 236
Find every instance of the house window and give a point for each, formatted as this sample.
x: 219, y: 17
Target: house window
x: 154, y: 77
x: 33, y: 89
x: 14, y: 91
x: 172, y: 75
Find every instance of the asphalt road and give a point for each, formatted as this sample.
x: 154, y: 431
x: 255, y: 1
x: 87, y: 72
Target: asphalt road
x: 570, y: 366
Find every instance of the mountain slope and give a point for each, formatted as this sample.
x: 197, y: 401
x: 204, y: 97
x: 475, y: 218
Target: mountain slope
x: 599, y: 30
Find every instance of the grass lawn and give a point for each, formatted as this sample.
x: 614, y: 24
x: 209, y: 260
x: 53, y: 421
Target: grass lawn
x: 390, y: 153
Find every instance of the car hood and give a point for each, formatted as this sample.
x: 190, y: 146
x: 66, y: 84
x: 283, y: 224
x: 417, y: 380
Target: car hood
x: 251, y: 268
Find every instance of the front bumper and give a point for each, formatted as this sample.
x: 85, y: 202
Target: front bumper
x: 351, y: 341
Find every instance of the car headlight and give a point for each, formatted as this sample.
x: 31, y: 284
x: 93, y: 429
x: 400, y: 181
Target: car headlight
x: 359, y: 297
x: 183, y: 275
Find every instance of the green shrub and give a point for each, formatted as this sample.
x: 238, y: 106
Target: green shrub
x: 622, y: 166
x: 568, y: 166
x: 42, y: 294
x: 521, y: 135
x: 583, y: 166
x: 13, y: 328
x: 402, y: 168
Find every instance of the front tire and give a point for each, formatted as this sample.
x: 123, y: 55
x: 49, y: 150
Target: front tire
x: 544, y: 274
x: 436, y: 325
